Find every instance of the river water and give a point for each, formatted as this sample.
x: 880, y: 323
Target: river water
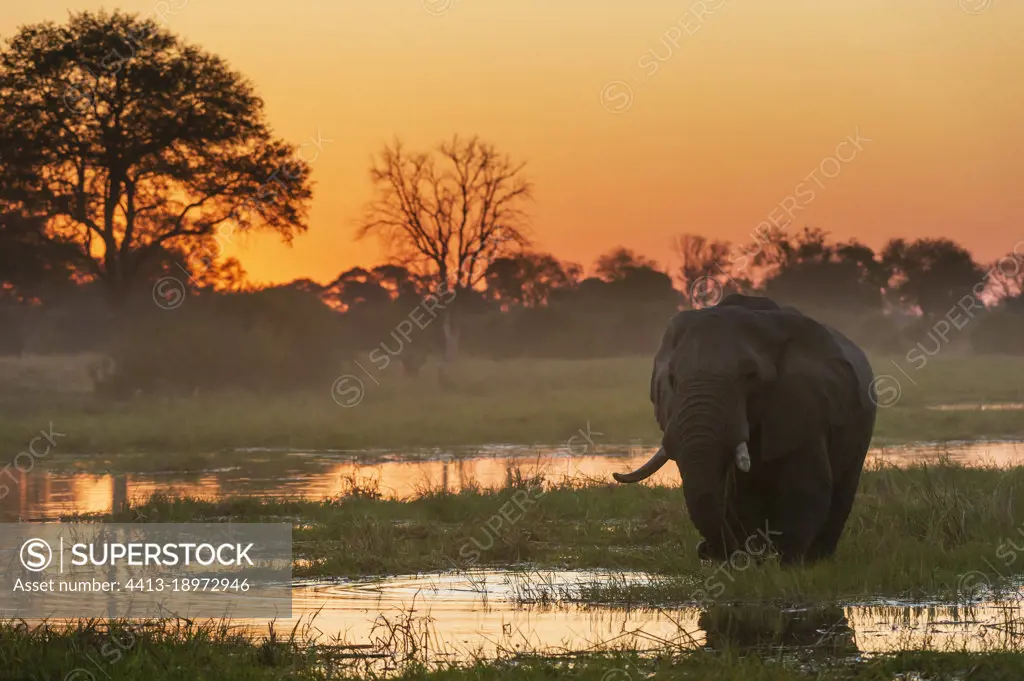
x: 45, y: 495
x: 459, y: 615
x: 486, y: 613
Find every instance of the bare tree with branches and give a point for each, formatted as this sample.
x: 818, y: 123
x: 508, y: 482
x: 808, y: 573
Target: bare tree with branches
x: 448, y: 213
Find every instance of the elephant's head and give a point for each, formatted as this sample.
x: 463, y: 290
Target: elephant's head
x: 733, y: 387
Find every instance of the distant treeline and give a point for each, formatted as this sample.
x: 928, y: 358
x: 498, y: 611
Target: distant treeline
x: 123, y: 186
x: 913, y: 299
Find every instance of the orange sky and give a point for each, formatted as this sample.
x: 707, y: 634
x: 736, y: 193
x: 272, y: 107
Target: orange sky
x: 750, y: 96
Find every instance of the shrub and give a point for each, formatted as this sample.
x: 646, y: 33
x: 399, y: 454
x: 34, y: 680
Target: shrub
x: 999, y: 332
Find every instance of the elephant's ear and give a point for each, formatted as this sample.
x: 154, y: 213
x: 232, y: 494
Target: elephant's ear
x: 815, y: 388
x: 661, y: 388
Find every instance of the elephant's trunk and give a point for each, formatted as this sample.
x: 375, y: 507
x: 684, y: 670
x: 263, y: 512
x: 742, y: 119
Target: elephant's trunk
x: 707, y: 433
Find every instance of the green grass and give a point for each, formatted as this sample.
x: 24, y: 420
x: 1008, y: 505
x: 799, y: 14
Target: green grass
x: 54, y: 374
x: 174, y: 650
x: 913, y: 533
x: 153, y: 651
x: 519, y: 401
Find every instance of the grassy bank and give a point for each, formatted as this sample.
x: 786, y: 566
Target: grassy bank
x: 152, y: 651
x: 519, y: 401
x: 174, y: 650
x: 919, y: 532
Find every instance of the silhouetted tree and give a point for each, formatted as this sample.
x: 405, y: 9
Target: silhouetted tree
x: 194, y: 268
x: 32, y: 268
x: 356, y: 287
x: 777, y: 249
x: 1002, y: 329
x: 931, y: 274
x: 618, y: 263
x: 631, y: 277
x: 821, y: 275
x: 758, y: 260
x: 705, y: 268
x: 306, y: 286
x: 131, y: 143
x: 529, y: 279
x: 225, y: 275
x: 403, y: 285
x: 1007, y: 278
x: 448, y: 213
x: 379, y: 287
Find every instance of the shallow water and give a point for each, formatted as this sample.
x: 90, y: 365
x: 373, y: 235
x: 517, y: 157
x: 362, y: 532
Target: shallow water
x: 1004, y: 406
x: 482, y: 613
x: 474, y: 614
x: 44, y: 495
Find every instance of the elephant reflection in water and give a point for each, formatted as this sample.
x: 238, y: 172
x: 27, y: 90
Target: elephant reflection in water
x: 822, y: 629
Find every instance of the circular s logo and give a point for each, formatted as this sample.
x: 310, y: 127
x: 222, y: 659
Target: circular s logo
x: 36, y: 555
x: 438, y: 7
x: 80, y: 674
x: 706, y: 292
x: 169, y: 293
x: 348, y: 391
x: 975, y: 6
x: 616, y: 97
x: 973, y: 584
x: 885, y: 391
x: 616, y: 675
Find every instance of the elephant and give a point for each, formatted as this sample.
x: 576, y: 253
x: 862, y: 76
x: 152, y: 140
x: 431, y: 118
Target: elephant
x: 768, y: 415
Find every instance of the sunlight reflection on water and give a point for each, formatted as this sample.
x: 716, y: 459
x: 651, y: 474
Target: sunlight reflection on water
x: 1005, y: 406
x: 44, y: 495
x: 482, y: 613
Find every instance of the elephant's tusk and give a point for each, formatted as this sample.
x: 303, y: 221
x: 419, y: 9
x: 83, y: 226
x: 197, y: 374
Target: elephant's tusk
x: 743, y: 457
x: 659, y: 459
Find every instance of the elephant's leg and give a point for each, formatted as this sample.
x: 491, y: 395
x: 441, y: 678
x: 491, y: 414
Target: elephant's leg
x: 705, y: 551
x: 843, y: 494
x: 747, y: 516
x: 801, y: 501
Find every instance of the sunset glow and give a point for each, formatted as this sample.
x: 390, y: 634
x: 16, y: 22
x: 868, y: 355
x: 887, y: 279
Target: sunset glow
x: 639, y: 121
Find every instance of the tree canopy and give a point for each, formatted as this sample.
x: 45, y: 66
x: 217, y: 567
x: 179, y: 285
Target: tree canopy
x: 931, y: 274
x: 125, y: 143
